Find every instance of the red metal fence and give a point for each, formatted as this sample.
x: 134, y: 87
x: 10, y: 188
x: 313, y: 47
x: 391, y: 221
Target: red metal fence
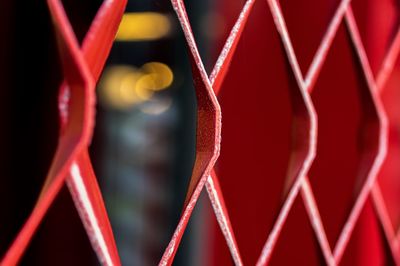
x: 309, y: 142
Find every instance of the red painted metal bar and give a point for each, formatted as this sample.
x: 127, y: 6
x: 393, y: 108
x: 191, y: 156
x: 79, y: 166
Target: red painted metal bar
x: 76, y: 104
x: 373, y: 172
x: 382, y: 78
x: 378, y: 86
x: 75, y: 136
x: 221, y: 67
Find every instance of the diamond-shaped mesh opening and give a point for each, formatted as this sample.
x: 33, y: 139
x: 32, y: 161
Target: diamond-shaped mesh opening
x: 348, y: 136
x: 296, y: 232
x: 315, y: 17
x: 368, y: 236
x: 262, y: 135
x: 388, y: 177
x: 378, y: 22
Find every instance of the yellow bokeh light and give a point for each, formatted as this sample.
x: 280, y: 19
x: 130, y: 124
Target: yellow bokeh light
x: 129, y: 89
x: 146, y: 83
x: 161, y: 73
x: 122, y: 87
x: 143, y: 26
x: 111, y: 93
